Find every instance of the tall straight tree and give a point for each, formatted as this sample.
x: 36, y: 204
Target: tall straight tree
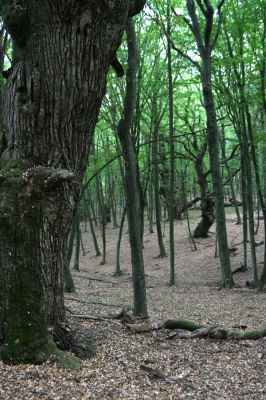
x: 131, y: 175
x: 55, y: 90
x: 172, y: 153
x: 206, y: 39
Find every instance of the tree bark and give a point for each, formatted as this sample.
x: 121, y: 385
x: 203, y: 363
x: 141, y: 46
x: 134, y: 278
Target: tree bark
x: 54, y: 94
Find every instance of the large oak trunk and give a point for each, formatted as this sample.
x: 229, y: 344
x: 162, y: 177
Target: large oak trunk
x: 54, y: 94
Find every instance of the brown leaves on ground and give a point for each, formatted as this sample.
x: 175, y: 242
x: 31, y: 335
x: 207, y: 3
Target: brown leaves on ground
x: 148, y: 365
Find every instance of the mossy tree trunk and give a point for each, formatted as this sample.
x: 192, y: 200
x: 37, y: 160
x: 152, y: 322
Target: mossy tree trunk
x: 51, y: 108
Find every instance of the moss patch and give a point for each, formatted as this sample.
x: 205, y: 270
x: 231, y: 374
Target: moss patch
x: 46, y: 352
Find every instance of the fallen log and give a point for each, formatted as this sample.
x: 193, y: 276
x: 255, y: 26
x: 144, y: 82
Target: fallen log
x: 197, y: 331
x: 213, y: 332
x: 182, y: 324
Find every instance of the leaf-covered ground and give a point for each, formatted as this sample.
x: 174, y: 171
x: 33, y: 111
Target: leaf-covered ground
x: 150, y: 365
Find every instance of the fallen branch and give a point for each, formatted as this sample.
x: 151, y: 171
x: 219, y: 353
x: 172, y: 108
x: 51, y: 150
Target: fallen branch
x: 94, y: 302
x: 239, y: 269
x: 95, y: 279
x: 154, y: 373
x: 95, y: 318
x: 213, y: 332
x: 196, y: 330
x: 142, y: 328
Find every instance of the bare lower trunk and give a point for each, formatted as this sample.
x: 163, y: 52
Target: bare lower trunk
x: 33, y: 248
x: 207, y: 205
x: 212, y: 132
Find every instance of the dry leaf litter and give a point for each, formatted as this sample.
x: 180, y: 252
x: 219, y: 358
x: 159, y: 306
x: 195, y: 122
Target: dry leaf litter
x: 149, y: 365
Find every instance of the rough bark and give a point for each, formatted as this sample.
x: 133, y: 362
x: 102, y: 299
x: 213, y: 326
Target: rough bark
x: 54, y: 94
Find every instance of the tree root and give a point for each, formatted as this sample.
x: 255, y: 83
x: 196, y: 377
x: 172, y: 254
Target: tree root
x: 47, y: 352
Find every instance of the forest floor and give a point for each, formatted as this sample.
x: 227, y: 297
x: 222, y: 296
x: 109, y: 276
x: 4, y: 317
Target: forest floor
x: 197, y: 369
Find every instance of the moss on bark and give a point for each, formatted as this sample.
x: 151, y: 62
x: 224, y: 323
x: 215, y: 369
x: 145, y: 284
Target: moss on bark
x: 43, y: 353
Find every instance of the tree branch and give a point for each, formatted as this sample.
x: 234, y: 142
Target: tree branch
x: 179, y: 51
x: 195, y: 25
x: 218, y: 31
x: 204, y: 12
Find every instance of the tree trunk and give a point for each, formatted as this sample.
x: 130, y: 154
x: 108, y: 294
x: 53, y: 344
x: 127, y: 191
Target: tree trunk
x: 229, y: 174
x: 130, y: 180
x: 212, y: 132
x: 207, y: 206
x: 172, y: 156
x: 102, y: 216
x: 118, y: 271
x: 77, y: 240
x: 94, y: 238
x: 205, y: 46
x: 52, y: 90
x: 155, y: 135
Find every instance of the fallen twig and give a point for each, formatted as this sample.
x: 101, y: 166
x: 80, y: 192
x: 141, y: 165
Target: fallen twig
x: 94, y: 302
x: 95, y: 279
x: 142, y: 328
x: 95, y: 318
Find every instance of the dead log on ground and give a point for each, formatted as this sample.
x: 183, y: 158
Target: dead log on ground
x: 182, y: 324
x: 212, y: 332
x: 197, y: 331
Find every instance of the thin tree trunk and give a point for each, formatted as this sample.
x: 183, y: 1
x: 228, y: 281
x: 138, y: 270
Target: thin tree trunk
x: 94, y: 238
x: 130, y: 181
x: 205, y: 46
x: 162, y: 252
x: 78, y: 239
x: 229, y: 174
x: 118, y: 271
x: 172, y: 156
x: 102, y: 215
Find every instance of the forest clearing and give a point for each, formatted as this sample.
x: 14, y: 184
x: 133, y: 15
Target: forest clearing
x: 198, y: 368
